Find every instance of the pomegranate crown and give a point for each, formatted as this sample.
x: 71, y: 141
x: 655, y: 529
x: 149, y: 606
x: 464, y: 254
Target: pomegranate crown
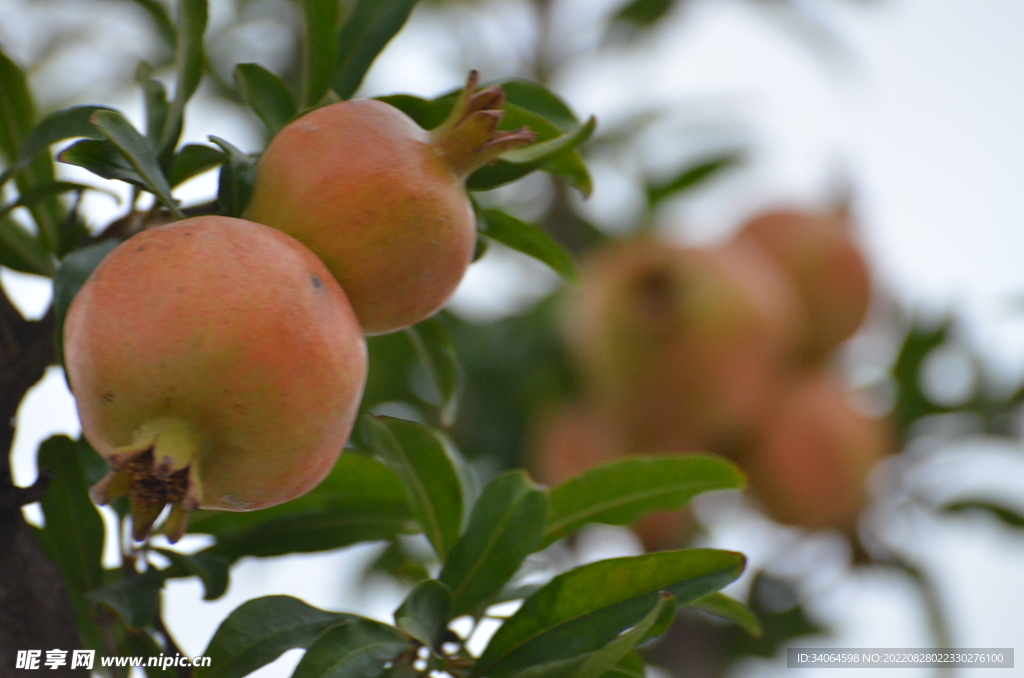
x: 469, y: 138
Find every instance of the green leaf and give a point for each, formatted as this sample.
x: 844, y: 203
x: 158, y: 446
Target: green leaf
x: 212, y: 570
x: 427, y: 113
x: 21, y: 251
x: 531, y: 240
x: 189, y: 58
x: 599, y: 662
x: 544, y: 150
x: 340, y: 524
x: 369, y: 26
x: 358, y: 648
x: 643, y: 13
x: 1010, y: 517
x: 319, y: 50
x: 535, y: 97
x: 73, y: 525
x: 630, y: 666
x: 424, y: 613
x: 422, y: 459
x: 692, y: 177
x: 103, y: 159
x: 57, y: 126
x: 192, y: 160
x: 260, y: 630
x: 554, y: 155
x: 437, y: 353
x: 139, y: 154
x: 730, y: 609
x: 622, y: 491
x: 504, y: 527
x: 584, y: 609
x: 136, y: 599
x: 354, y: 478
x: 266, y: 94
x: 237, y: 176
x: 74, y: 270
x: 154, y: 95
x: 161, y: 19
x: 17, y: 118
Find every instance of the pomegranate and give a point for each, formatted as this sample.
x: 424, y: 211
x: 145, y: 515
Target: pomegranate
x: 682, y: 347
x: 382, y: 201
x: 827, y: 268
x: 812, y: 458
x: 215, y: 363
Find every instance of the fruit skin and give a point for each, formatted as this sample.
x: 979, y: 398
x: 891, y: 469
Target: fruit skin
x: 827, y: 268
x: 811, y: 461
x: 682, y: 347
x: 381, y: 201
x: 224, y: 351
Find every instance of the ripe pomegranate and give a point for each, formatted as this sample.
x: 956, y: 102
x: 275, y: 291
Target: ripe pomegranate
x: 827, y: 268
x: 216, y: 364
x: 381, y: 201
x: 811, y: 460
x: 682, y: 347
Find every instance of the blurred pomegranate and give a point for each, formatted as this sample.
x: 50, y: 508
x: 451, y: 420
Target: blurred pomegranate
x: 681, y: 348
x: 826, y: 267
x: 811, y: 459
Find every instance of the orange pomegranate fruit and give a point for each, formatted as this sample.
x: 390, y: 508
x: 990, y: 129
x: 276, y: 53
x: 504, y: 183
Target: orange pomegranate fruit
x: 215, y: 364
x: 827, y: 267
x: 811, y: 460
x: 382, y: 201
x: 682, y: 346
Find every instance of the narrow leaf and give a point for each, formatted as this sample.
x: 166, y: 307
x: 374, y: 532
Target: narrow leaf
x: 192, y: 160
x: 358, y: 648
x: 1011, y: 517
x: 17, y: 118
x: 260, y: 630
x: 422, y: 460
x: 136, y: 600
x: 71, y: 275
x: 546, y: 149
x: 161, y: 20
x: 154, y: 95
x: 630, y: 666
x: 73, y: 525
x: 189, y: 58
x: 504, y: 527
x: 57, y: 126
x: 21, y: 251
x: 103, y: 159
x: 691, y: 177
x: 723, y: 606
x: 424, y: 613
x: 369, y: 27
x: 584, y: 609
x: 622, y: 491
x: 437, y: 353
x: 237, y: 176
x: 139, y: 154
x: 643, y: 13
x: 319, y: 50
x: 212, y: 570
x: 266, y: 94
x: 531, y: 240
